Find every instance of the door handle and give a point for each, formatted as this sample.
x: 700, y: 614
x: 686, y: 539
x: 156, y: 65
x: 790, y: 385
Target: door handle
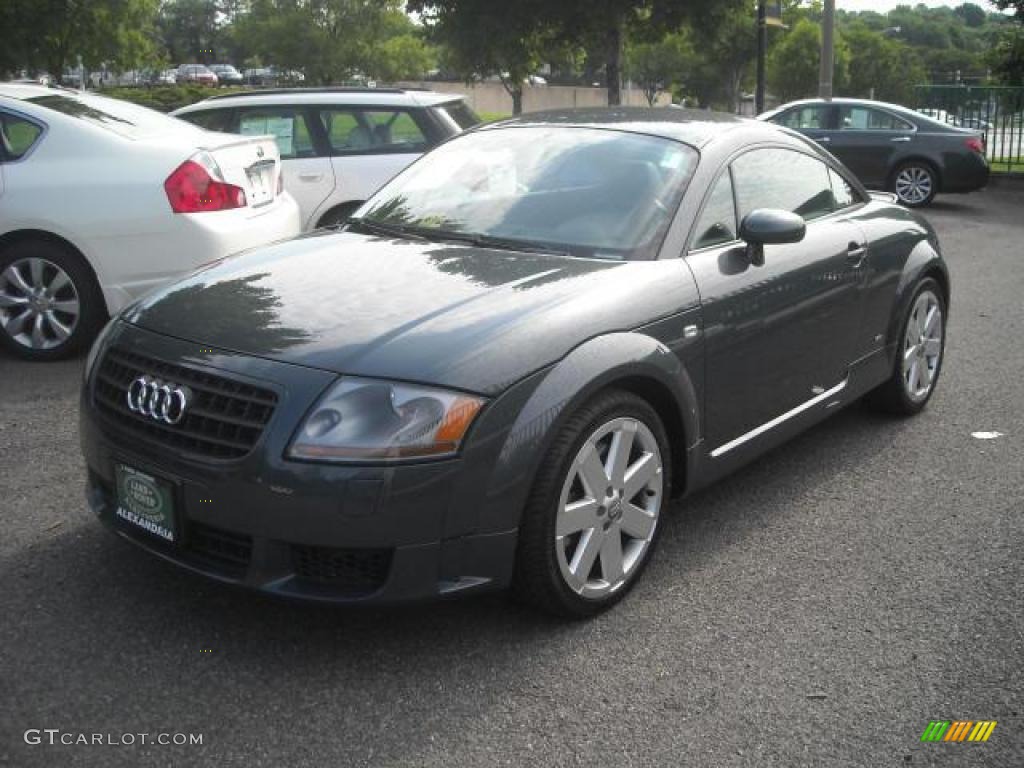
x: 310, y: 176
x: 823, y: 140
x: 855, y: 253
x: 900, y: 139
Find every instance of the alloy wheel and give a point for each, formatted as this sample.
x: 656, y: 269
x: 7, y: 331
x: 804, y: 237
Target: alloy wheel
x: 609, y: 507
x: 914, y: 185
x: 922, y: 346
x: 39, y: 303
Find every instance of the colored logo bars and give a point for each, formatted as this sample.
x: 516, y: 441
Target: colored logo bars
x: 958, y: 730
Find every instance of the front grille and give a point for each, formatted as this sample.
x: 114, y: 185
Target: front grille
x: 355, y: 570
x: 222, y: 549
x: 224, y: 421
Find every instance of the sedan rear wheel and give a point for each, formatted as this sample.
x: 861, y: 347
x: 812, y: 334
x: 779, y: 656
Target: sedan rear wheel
x: 915, y: 184
x: 594, y: 515
x: 49, y: 305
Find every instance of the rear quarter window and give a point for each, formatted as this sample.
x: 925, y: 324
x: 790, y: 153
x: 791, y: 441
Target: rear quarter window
x: 17, y: 136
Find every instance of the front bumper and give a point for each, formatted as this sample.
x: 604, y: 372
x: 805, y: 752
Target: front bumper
x: 322, y: 532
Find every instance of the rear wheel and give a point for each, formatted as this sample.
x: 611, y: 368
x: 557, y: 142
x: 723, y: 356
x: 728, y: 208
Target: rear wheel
x: 50, y: 305
x: 593, y: 517
x: 915, y: 184
x: 919, y: 354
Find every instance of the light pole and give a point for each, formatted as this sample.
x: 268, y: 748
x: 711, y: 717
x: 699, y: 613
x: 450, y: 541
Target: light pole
x: 762, y: 52
x: 828, y: 22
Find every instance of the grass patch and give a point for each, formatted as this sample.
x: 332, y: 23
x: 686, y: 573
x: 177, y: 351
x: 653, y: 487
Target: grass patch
x: 1013, y: 165
x: 493, y: 117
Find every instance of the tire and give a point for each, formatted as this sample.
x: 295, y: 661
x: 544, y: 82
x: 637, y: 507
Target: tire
x: 60, y: 320
x: 551, y: 541
x: 337, y: 216
x: 915, y: 183
x: 902, y: 394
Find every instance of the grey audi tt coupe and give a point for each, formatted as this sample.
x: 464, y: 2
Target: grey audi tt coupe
x: 501, y: 370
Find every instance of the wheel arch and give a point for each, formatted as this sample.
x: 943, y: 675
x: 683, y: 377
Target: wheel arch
x: 27, y: 235
x: 923, y: 262
x: 631, y: 361
x: 348, y: 204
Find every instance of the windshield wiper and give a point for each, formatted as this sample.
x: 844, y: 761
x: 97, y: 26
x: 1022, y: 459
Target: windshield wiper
x: 380, y: 228
x: 500, y: 243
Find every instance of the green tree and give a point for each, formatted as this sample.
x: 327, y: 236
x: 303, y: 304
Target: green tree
x: 795, y: 60
x: 486, y: 39
x: 326, y: 40
x: 189, y: 30
x: 604, y: 25
x: 881, y: 66
x: 657, y: 67
x: 52, y: 34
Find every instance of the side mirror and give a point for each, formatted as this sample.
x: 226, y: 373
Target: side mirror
x: 768, y: 226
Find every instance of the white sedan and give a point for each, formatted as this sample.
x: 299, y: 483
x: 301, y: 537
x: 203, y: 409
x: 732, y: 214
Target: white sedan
x: 102, y: 201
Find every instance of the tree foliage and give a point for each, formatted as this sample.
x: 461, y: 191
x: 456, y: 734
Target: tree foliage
x: 793, y: 66
x: 52, y: 34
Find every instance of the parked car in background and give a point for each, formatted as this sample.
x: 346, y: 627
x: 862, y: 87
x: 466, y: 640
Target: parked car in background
x: 102, y: 200
x: 227, y: 74
x: 338, y: 145
x: 196, y: 73
x: 512, y: 359
x: 891, y: 147
x: 167, y: 77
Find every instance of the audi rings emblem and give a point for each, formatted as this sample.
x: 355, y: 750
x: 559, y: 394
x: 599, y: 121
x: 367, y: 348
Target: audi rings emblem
x: 159, y: 400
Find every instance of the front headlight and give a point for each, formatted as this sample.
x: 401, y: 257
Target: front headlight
x: 366, y: 420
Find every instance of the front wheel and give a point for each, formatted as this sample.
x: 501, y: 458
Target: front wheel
x: 593, y: 516
x: 919, y: 354
x: 915, y: 184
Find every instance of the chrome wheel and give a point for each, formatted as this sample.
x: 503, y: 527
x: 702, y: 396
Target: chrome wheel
x: 609, y: 506
x: 39, y: 304
x: 922, y: 346
x: 914, y: 185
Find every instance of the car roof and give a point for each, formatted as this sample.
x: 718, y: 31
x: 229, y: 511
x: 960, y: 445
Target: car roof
x: 361, y: 97
x: 690, y: 126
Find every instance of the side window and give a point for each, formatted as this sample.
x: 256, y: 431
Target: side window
x: 344, y: 131
x: 287, y: 126
x: 17, y: 137
x: 210, y: 119
x: 782, y: 178
x: 844, y: 194
x: 717, y: 222
x: 381, y: 130
x: 813, y: 117
x: 853, y: 118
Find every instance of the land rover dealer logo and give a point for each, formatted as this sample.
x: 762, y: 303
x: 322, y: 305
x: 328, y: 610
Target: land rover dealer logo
x: 143, y: 497
x: 159, y: 400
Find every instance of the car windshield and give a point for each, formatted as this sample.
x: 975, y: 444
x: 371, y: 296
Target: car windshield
x: 584, y: 191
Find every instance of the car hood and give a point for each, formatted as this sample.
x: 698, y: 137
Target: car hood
x: 472, y: 318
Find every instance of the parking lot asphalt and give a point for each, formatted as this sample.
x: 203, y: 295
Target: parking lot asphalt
x: 818, y: 608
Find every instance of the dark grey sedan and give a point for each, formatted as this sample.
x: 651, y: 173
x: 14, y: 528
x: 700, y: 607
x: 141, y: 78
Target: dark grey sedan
x: 890, y: 147
x: 501, y: 371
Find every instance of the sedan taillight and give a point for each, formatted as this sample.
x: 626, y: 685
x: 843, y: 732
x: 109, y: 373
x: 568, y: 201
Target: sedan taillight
x: 975, y: 144
x: 192, y: 189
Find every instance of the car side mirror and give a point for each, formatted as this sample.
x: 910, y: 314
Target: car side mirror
x: 769, y: 226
